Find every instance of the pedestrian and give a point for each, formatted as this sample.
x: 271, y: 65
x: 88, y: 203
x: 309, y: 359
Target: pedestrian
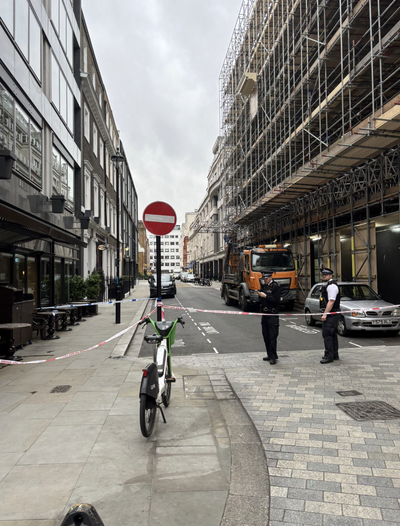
x: 270, y: 296
x: 330, y: 302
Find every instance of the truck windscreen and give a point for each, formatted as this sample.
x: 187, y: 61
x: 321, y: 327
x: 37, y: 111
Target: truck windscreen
x: 278, y: 261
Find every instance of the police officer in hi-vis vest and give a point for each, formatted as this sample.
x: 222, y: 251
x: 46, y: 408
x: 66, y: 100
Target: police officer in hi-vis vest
x: 270, y: 296
x: 330, y: 302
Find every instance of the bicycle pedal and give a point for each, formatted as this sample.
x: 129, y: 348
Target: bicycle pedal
x: 173, y: 379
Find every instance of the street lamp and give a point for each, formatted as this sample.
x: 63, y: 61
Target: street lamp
x: 118, y: 161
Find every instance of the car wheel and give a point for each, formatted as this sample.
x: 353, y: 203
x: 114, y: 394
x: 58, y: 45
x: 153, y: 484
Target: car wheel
x: 309, y: 318
x: 341, y: 327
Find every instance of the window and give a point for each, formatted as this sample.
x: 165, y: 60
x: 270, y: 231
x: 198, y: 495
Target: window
x: 22, y: 136
x: 86, y: 122
x: 96, y: 199
x: 63, y: 28
x: 61, y: 95
x: 25, y: 29
x: 63, y: 177
x: 101, y: 153
x: 88, y: 200
x: 95, y: 140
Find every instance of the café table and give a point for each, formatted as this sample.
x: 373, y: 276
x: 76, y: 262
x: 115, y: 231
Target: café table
x: 50, y: 317
x: 6, y: 331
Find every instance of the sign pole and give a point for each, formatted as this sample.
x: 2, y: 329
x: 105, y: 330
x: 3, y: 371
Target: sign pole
x: 158, y: 272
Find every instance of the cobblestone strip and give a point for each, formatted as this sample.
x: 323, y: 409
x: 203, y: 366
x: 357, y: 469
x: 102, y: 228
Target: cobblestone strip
x: 324, y: 467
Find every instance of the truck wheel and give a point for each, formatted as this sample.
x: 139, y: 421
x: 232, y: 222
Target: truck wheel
x: 243, y: 303
x: 227, y: 299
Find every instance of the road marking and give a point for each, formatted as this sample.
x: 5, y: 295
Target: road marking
x: 203, y: 333
x: 208, y: 340
x: 356, y: 344
x: 215, y: 350
x: 302, y: 328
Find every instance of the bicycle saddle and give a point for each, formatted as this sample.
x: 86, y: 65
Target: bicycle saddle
x: 164, y: 327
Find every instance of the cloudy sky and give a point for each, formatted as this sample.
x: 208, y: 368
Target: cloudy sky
x: 160, y: 61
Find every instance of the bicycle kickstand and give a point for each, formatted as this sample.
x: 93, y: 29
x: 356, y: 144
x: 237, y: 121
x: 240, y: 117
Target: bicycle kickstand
x: 162, y: 413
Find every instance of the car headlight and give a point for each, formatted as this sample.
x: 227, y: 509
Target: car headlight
x: 396, y: 312
x: 358, y: 314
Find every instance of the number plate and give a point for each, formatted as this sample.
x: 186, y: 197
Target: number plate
x: 380, y: 322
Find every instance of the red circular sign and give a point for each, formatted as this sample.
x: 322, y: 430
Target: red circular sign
x: 159, y: 218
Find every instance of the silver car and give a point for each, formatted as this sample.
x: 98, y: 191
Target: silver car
x: 363, y: 309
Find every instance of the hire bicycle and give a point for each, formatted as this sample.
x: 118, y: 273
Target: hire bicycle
x: 155, y: 387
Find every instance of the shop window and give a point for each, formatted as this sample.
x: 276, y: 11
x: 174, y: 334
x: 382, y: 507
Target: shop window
x: 5, y: 267
x: 32, y: 283
x: 19, y: 272
x: 57, y: 281
x: 45, y: 289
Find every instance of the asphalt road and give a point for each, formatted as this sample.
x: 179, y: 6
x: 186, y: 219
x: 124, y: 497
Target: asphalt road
x: 225, y: 333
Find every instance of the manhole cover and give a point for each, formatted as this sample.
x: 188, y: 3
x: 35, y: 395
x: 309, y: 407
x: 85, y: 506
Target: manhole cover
x: 348, y: 393
x: 60, y: 389
x: 369, y: 410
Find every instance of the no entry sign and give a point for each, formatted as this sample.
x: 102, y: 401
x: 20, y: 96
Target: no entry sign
x: 159, y: 218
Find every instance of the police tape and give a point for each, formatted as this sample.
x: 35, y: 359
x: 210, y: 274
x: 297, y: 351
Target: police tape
x: 13, y: 362
x: 293, y: 314
x: 75, y: 305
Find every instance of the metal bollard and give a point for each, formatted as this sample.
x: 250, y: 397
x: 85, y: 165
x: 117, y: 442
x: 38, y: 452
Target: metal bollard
x: 82, y: 515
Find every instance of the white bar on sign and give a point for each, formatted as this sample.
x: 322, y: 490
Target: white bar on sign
x: 159, y: 219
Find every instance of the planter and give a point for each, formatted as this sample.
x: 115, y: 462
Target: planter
x: 7, y: 159
x: 57, y: 203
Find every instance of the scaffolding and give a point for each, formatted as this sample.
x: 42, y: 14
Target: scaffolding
x: 310, y: 118
x: 309, y: 89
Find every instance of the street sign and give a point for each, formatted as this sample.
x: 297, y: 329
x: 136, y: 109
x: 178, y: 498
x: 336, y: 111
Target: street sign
x: 159, y: 218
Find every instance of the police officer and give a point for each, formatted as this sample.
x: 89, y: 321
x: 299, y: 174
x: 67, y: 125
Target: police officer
x: 270, y: 296
x: 330, y: 302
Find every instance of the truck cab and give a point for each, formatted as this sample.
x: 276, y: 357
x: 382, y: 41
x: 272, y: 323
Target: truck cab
x: 243, y: 271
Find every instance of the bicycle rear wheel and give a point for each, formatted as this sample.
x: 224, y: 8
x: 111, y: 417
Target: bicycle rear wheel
x: 148, y: 410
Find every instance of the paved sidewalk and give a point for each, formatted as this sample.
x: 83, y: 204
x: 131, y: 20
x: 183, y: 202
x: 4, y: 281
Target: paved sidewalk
x: 325, y: 468
x: 83, y: 443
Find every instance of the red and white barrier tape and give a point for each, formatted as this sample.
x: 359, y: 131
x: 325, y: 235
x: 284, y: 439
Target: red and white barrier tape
x: 12, y: 362
x: 295, y: 314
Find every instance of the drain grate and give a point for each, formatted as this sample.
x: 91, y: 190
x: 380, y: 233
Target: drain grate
x: 348, y: 393
x: 60, y: 389
x: 369, y: 410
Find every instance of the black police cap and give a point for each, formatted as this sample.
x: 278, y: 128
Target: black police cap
x: 326, y: 271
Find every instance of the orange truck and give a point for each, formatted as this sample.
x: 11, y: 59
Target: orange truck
x: 243, y: 270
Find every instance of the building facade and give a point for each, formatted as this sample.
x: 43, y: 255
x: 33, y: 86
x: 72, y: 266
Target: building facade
x: 58, y: 188
x: 170, y: 253
x: 143, y: 249
x: 309, y: 97
x: 40, y: 147
x: 206, y: 241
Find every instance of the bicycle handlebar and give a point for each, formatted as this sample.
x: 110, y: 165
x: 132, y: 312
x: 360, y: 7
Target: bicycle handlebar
x: 180, y: 320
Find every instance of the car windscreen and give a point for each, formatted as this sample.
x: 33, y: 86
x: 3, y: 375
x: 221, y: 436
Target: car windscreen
x: 164, y: 278
x: 355, y: 292
x: 272, y: 261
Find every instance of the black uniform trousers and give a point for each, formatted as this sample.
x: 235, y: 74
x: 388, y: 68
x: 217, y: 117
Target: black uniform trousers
x: 270, y: 331
x: 329, y: 335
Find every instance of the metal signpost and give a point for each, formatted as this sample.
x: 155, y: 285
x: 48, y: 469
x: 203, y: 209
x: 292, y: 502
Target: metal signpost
x: 159, y: 218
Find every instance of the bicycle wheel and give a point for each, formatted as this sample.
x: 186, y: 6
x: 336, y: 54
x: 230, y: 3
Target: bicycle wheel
x: 148, y: 411
x: 165, y: 397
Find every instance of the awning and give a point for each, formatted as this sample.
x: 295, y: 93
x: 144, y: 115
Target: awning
x: 191, y: 265
x: 16, y: 226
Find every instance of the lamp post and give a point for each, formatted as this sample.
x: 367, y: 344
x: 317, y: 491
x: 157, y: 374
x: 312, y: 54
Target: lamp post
x: 118, y: 160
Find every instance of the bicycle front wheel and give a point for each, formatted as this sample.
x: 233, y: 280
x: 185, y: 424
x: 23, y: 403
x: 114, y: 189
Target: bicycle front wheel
x: 166, y: 396
x: 148, y: 410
